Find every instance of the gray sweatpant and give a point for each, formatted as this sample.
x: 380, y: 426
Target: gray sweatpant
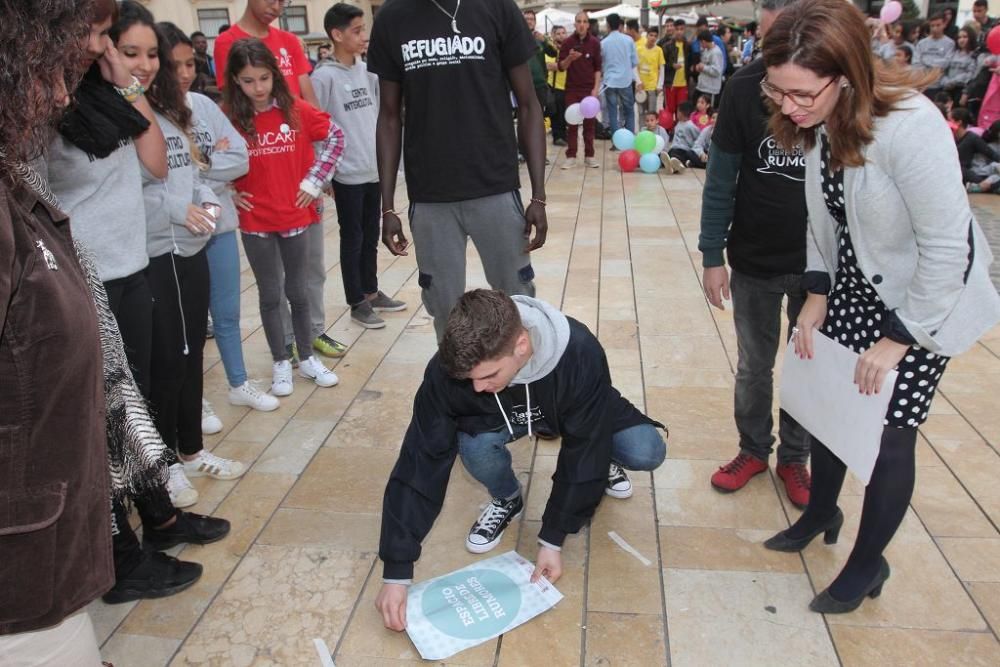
x: 315, y: 281
x: 441, y: 232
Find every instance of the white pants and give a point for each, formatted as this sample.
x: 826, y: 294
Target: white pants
x: 72, y: 643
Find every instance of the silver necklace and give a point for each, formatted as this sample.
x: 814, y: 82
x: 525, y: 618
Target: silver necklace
x: 453, y: 17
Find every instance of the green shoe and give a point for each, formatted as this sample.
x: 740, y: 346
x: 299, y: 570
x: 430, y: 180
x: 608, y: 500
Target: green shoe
x: 293, y: 354
x: 329, y: 347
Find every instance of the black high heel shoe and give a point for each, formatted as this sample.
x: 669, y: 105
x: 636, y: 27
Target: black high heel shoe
x: 824, y: 603
x: 830, y: 530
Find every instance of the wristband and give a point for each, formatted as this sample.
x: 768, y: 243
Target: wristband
x: 540, y: 202
x: 389, y: 210
x: 133, y: 91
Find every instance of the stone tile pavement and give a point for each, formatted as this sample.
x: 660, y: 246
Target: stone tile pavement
x: 621, y: 257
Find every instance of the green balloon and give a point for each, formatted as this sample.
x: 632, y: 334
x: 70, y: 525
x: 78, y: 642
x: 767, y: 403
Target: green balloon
x: 645, y: 142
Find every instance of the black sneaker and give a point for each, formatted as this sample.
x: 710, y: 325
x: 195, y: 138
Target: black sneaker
x: 619, y: 485
x: 488, y: 529
x: 157, y: 576
x: 189, y: 528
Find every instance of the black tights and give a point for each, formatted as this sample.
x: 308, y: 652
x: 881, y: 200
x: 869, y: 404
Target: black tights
x: 886, y: 499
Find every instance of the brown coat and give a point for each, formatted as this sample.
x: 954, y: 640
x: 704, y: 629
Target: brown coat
x: 55, y: 533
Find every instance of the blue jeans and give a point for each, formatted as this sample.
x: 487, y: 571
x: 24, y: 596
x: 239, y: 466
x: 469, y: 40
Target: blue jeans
x: 224, y: 304
x: 486, y: 457
x: 621, y: 100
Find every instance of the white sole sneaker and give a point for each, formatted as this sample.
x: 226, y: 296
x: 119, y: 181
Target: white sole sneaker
x: 246, y: 396
x: 323, y: 377
x: 281, y: 379
x: 472, y: 547
x: 618, y: 494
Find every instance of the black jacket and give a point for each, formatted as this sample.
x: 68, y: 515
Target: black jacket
x: 670, y: 53
x: 576, y: 400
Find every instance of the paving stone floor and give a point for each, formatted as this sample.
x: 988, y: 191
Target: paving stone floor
x: 621, y: 257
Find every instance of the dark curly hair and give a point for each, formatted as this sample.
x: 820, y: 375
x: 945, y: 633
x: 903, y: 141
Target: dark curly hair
x: 164, y: 92
x: 254, y: 53
x: 41, y: 44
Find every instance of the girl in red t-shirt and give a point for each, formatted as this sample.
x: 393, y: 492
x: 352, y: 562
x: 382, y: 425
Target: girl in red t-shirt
x: 276, y: 198
x: 702, y: 117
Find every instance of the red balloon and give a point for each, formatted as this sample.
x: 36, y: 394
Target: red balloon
x: 629, y: 160
x: 993, y: 41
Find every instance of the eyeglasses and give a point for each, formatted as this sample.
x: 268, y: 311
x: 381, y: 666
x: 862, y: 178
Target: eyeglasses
x: 803, y: 100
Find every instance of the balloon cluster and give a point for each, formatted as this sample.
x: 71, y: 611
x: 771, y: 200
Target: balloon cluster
x: 588, y: 107
x: 638, y: 150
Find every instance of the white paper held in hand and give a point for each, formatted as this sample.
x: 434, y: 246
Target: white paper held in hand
x: 820, y: 394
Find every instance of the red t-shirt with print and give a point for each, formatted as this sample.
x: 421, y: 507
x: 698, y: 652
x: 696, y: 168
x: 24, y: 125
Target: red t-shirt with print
x: 284, y: 45
x: 280, y: 157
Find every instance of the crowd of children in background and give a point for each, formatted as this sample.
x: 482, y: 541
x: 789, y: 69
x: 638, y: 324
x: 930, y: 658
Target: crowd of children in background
x: 682, y: 73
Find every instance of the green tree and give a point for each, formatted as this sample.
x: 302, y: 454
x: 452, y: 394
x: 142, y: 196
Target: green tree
x: 910, y: 10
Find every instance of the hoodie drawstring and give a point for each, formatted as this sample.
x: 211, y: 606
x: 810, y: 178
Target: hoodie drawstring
x: 503, y: 413
x: 527, y: 397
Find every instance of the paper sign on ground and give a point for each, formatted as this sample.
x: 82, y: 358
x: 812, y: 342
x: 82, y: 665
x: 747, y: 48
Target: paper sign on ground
x: 472, y: 605
x: 820, y: 394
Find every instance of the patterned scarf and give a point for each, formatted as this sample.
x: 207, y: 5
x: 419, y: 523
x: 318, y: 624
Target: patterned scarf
x: 136, y: 453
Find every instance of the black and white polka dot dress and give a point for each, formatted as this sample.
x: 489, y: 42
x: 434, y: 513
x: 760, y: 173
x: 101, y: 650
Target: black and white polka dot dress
x: 857, y: 316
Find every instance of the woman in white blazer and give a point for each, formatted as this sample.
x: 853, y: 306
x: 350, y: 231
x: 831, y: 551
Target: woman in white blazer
x: 897, y: 268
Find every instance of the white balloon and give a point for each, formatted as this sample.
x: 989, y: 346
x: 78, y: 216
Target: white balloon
x: 660, y: 145
x: 573, y: 115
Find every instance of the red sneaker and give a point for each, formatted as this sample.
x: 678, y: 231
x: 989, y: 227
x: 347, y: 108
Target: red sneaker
x: 796, y: 479
x: 734, y: 475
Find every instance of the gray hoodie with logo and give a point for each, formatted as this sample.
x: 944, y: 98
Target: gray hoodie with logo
x: 350, y: 96
x: 167, y: 200
x: 210, y: 126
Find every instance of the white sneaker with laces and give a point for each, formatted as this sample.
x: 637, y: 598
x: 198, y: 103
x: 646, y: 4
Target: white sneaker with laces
x: 569, y: 163
x: 619, y: 485
x: 207, y: 464
x: 313, y: 369
x: 592, y: 163
x: 281, y: 378
x: 182, y: 494
x: 248, y: 395
x: 210, y: 422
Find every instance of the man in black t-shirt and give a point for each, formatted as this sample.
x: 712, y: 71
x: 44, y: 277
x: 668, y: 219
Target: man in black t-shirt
x: 452, y: 67
x: 754, y: 208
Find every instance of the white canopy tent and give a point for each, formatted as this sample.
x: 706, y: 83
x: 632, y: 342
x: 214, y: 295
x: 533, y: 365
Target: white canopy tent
x: 546, y: 19
x: 624, y: 11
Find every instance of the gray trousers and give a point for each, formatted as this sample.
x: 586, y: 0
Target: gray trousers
x: 757, y: 315
x: 279, y: 265
x: 315, y: 281
x: 441, y: 232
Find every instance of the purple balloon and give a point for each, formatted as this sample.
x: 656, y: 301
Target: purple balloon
x: 590, y: 107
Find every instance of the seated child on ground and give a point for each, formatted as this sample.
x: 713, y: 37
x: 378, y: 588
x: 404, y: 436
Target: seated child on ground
x: 970, y: 144
x: 686, y: 134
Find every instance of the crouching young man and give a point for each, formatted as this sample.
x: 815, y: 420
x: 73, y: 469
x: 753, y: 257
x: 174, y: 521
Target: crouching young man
x: 505, y: 368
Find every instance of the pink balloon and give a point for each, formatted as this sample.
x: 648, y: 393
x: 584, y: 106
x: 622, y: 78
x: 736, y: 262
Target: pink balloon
x: 590, y: 106
x: 891, y: 11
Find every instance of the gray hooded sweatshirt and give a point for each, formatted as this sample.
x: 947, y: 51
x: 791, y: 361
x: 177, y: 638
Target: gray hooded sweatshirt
x: 549, y: 332
x: 167, y: 200
x: 103, y: 197
x: 225, y: 166
x: 350, y: 96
